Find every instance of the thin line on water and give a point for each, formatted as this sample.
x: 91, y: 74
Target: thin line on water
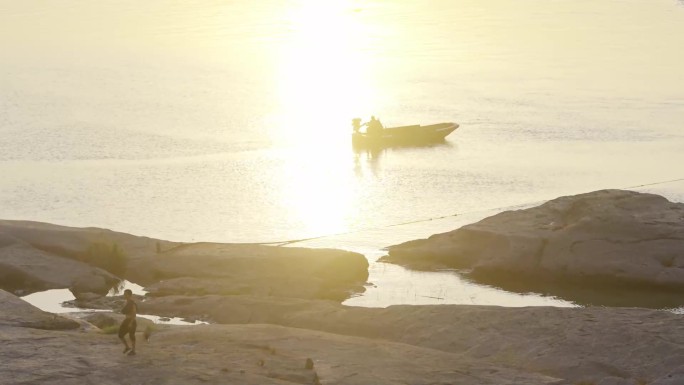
x: 289, y: 242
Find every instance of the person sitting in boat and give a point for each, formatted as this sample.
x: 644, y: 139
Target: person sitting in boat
x: 374, y: 126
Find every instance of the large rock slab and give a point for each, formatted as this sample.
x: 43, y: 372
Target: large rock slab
x: 604, y: 239
x: 229, y: 269
x: 27, y: 269
x: 675, y: 377
x: 239, y: 354
x: 71, y: 242
x: 579, y: 345
x: 37, y: 256
x: 16, y: 312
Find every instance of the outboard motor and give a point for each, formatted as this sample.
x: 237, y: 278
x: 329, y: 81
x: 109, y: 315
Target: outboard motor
x: 356, y: 124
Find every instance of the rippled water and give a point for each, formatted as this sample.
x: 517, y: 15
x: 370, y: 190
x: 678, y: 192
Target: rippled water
x: 229, y: 122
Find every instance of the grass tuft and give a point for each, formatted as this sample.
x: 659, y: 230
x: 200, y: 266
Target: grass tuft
x: 111, y: 329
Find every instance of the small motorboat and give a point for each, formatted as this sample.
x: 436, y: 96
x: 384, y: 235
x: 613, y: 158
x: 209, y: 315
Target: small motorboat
x: 415, y: 135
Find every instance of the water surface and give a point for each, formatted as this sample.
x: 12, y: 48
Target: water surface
x: 230, y: 122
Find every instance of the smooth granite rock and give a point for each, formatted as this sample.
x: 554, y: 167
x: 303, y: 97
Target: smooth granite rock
x: 26, y: 268
x: 604, y: 239
x: 37, y: 256
x: 230, y: 269
x: 16, y: 312
x: 579, y: 345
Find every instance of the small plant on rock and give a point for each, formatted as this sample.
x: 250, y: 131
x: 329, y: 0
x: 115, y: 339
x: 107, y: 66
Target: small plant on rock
x: 111, y: 329
x: 107, y: 256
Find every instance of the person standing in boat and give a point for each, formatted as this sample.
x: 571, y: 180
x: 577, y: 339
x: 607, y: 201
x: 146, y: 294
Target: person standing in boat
x: 374, y: 127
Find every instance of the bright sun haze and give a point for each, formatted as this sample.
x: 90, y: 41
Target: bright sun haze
x: 236, y: 115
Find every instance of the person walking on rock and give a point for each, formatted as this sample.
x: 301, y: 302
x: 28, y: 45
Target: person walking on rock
x: 129, y: 324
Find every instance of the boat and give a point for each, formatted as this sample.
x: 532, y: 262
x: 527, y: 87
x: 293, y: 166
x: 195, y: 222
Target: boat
x: 415, y: 135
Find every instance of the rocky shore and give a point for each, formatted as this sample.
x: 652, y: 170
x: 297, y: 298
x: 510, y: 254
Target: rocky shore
x: 609, y: 247
x: 294, y: 341
x: 276, y: 316
x: 39, y: 256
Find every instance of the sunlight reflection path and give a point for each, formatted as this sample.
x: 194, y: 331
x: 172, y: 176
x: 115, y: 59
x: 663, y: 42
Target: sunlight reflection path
x: 324, y: 74
x: 323, y: 83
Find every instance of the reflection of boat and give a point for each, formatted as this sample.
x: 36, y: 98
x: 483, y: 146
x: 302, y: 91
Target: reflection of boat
x: 415, y: 135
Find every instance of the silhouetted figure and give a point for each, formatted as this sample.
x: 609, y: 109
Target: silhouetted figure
x: 129, y: 324
x: 374, y: 127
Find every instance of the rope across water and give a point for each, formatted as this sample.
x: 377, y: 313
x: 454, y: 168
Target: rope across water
x: 289, y: 242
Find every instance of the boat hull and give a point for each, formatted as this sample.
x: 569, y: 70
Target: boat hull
x: 405, y: 136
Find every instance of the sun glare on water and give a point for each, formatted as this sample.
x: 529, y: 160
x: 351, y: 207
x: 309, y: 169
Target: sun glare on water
x: 323, y: 83
x: 323, y: 70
